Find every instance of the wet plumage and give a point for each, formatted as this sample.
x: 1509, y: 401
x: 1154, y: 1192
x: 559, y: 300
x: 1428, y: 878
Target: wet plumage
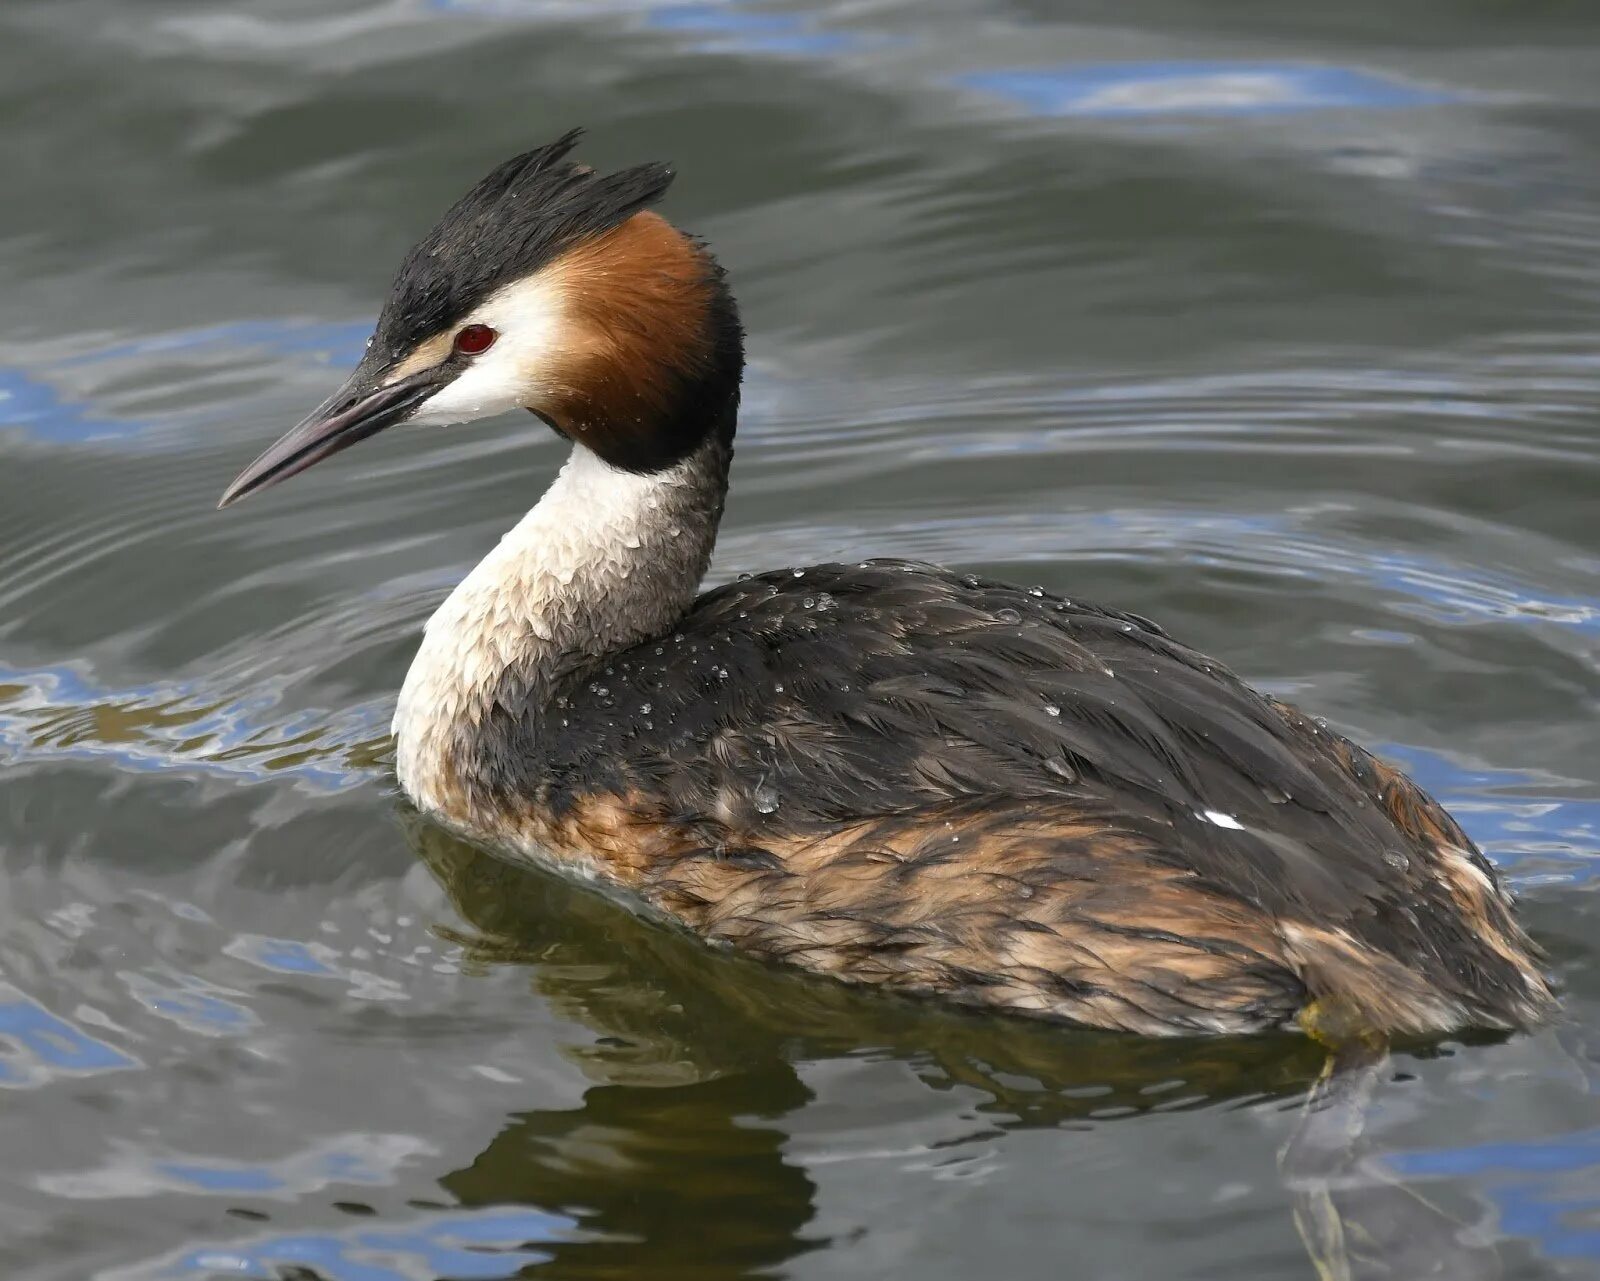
x: 886, y: 772
x: 900, y: 775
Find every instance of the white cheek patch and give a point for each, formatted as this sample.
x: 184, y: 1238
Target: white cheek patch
x: 528, y: 316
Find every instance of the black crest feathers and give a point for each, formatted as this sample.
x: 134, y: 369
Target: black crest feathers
x: 521, y: 215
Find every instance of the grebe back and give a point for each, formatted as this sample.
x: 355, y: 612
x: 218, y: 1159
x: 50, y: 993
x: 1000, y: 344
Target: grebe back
x: 887, y: 772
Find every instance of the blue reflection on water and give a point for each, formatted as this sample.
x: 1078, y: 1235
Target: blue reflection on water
x: 1531, y: 1185
x: 42, y: 1045
x: 212, y: 1178
x: 1535, y: 837
x: 40, y: 410
x: 1196, y: 88
x: 1480, y: 594
x: 287, y: 956
x: 481, y: 1245
x: 341, y: 341
x: 721, y: 26
x: 736, y: 29
x: 364, y: 1158
x: 31, y: 401
x: 1441, y: 590
x: 1561, y: 1154
x: 234, y: 736
x: 190, y: 1002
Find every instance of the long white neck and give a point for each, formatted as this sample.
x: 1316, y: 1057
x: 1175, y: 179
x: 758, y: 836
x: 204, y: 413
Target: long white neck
x: 606, y: 559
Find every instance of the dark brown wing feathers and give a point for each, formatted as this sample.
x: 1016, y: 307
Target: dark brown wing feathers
x: 941, y: 783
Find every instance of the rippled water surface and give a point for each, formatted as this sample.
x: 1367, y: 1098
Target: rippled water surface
x: 1278, y: 323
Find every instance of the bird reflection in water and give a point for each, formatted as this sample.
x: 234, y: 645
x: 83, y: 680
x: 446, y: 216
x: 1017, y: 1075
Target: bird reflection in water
x: 666, y: 1098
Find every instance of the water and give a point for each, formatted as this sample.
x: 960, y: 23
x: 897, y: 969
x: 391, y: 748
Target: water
x: 1279, y: 324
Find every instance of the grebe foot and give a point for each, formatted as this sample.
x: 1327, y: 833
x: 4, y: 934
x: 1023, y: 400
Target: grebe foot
x: 1358, y: 1220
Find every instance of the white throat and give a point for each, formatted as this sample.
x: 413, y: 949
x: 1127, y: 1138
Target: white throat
x: 606, y: 559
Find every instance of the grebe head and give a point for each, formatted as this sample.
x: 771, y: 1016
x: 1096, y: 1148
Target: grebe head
x: 551, y: 288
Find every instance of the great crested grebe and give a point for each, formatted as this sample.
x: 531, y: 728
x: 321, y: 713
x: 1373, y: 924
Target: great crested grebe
x: 886, y: 772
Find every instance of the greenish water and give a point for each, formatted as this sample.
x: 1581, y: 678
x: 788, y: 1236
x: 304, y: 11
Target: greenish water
x: 1279, y: 324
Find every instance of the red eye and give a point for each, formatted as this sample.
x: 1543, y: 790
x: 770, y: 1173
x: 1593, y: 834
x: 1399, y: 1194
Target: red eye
x: 475, y: 338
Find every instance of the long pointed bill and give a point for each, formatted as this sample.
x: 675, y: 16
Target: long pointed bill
x: 357, y: 410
